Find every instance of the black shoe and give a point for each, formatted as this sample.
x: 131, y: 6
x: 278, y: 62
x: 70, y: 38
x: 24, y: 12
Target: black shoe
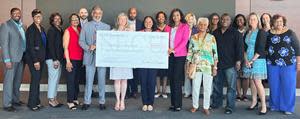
x: 34, y: 108
x: 102, y: 107
x: 213, y: 107
x: 171, y: 108
x: 40, y: 106
x: 255, y: 107
x: 177, y: 109
x: 134, y: 95
x: 10, y: 109
x: 228, y: 111
x: 262, y: 113
x: 85, y: 107
x: 20, y: 103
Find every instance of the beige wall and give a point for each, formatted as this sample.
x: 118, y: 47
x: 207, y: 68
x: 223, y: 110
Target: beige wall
x: 288, y: 8
x: 26, y: 7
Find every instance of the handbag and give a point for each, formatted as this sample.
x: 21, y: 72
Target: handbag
x: 192, y: 71
x: 193, y: 66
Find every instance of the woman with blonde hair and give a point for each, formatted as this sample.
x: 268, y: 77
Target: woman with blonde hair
x: 121, y: 75
x: 191, y: 21
x: 255, y: 67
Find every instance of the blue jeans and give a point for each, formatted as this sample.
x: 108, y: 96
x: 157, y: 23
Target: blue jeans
x: 228, y: 75
x: 90, y: 73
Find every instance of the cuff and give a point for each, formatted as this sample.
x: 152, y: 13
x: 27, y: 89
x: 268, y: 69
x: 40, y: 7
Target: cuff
x: 7, y: 60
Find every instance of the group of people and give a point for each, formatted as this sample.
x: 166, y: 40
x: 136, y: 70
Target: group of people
x: 244, y: 52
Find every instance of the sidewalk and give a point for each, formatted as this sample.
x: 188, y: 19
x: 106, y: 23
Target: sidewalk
x: 133, y: 111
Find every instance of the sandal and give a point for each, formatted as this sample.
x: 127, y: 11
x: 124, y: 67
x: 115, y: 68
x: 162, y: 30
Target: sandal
x: 238, y: 98
x: 34, y: 108
x: 72, y: 106
x: 122, y: 106
x: 206, y: 112
x: 193, y: 110
x: 117, y: 106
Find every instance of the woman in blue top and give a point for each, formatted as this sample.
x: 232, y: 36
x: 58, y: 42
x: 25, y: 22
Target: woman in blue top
x: 283, y: 64
x: 255, y: 67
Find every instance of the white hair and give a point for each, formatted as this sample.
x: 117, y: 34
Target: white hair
x: 203, y: 20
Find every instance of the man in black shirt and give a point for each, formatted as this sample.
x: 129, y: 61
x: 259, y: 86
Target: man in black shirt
x: 229, y: 43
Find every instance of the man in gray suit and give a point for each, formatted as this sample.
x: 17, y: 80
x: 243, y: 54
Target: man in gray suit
x: 13, y: 44
x: 87, y: 41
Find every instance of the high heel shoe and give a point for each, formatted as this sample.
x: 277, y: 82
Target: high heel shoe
x: 262, y: 113
x: 72, y: 106
x: 53, y: 104
x: 255, y: 107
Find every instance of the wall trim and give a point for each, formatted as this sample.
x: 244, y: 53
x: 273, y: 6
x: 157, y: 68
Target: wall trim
x: 108, y: 88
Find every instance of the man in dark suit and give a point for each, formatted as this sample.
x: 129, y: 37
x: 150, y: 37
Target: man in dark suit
x: 136, y: 25
x: 13, y: 44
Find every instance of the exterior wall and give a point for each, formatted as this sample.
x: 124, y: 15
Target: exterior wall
x: 288, y: 8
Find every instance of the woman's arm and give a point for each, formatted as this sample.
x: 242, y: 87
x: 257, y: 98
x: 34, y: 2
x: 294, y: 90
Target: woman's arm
x: 66, y: 41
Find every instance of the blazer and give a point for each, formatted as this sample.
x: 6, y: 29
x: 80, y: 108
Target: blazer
x: 181, y: 39
x: 54, y: 49
x: 11, y: 42
x: 35, y: 50
x: 86, y: 39
x: 138, y: 25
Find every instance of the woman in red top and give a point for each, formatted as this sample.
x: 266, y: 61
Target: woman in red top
x: 147, y: 76
x: 73, y: 55
x: 162, y: 74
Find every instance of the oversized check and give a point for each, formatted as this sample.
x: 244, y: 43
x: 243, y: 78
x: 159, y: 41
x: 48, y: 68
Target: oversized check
x: 132, y: 49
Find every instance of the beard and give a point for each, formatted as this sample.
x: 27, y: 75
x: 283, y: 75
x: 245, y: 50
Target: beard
x: 131, y: 18
x: 97, y: 19
x: 17, y: 20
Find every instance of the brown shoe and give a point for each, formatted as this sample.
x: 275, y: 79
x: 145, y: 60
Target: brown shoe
x: 193, y: 110
x: 206, y: 112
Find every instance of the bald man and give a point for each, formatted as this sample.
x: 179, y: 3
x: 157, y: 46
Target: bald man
x: 83, y: 14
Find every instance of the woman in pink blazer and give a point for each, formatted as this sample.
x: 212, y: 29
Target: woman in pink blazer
x: 179, y: 33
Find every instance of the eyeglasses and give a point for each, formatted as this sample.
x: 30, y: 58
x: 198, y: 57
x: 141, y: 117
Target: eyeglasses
x: 74, y: 19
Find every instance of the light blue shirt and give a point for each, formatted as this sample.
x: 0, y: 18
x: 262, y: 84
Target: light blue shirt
x: 22, y: 32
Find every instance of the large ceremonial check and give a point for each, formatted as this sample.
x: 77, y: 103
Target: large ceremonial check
x: 132, y: 49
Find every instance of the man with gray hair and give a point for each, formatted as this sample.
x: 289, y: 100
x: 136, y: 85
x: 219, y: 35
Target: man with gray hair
x: 87, y: 41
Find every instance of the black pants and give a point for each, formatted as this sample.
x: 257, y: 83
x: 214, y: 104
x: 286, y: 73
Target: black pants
x: 73, y: 81
x: 34, y: 90
x: 176, y: 77
x: 133, y: 83
x: 148, y: 82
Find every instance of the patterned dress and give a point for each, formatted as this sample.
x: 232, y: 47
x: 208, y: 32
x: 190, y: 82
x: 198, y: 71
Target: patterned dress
x: 259, y: 66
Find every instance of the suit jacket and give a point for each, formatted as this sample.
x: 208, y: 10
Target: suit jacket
x: 11, y: 42
x: 138, y: 25
x: 181, y: 39
x: 55, y: 49
x: 35, y: 50
x: 87, y: 38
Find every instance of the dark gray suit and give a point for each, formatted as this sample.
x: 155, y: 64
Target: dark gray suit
x: 13, y: 47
